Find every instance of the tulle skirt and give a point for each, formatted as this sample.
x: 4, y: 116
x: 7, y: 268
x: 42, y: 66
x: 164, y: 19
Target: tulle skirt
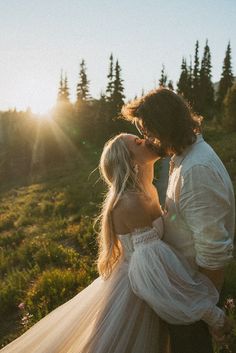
x: 106, y: 317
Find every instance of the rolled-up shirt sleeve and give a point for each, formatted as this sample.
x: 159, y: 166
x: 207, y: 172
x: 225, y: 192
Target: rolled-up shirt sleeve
x: 204, y: 204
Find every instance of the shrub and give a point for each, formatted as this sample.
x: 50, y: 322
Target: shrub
x: 23, y: 220
x: 11, y: 239
x: 6, y: 221
x: 46, y: 208
x: 84, y: 236
x: 25, y: 253
x: 53, y: 288
x: 56, y: 255
x: 46, y: 252
x: 13, y: 289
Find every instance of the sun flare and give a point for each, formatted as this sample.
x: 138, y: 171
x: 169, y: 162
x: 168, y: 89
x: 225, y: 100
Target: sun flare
x: 43, y: 116
x: 41, y: 108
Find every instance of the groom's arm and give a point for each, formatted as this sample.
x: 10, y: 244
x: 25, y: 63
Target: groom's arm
x: 205, y: 207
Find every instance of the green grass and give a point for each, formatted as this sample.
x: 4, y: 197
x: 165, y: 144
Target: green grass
x: 47, y: 241
x: 47, y: 237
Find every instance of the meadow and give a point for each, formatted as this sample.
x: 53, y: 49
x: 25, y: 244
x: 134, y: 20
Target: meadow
x: 48, y: 243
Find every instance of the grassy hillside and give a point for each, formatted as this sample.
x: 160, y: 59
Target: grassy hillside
x: 47, y: 240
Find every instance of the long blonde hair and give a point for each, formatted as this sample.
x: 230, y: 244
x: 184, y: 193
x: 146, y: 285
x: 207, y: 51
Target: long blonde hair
x: 117, y: 169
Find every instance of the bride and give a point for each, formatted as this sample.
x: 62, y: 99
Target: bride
x: 141, y: 280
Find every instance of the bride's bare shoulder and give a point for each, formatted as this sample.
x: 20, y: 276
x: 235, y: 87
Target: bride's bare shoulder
x: 131, y: 200
x: 132, y: 211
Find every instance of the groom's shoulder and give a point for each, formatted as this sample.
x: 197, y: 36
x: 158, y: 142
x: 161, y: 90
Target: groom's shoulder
x: 201, y: 154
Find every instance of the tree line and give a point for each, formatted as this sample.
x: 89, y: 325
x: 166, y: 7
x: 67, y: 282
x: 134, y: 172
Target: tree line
x: 194, y: 83
x: 30, y: 145
x: 114, y: 93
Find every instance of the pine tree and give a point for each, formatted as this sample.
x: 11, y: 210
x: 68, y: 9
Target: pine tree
x: 206, y: 91
x: 170, y: 85
x: 226, y: 82
x: 63, y: 91
x: 196, y: 79
x: 102, y: 120
x: 82, y: 91
x: 117, y: 97
x: 66, y: 93
x: 61, y: 88
x: 182, y: 84
x: 163, y: 79
x: 190, y: 82
x: 110, y: 76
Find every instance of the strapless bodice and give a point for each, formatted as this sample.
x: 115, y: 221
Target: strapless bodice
x: 141, y: 237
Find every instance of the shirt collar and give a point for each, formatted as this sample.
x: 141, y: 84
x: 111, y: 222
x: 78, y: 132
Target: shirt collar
x: 177, y: 159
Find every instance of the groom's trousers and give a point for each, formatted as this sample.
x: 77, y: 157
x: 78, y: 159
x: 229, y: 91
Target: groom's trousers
x: 194, y: 338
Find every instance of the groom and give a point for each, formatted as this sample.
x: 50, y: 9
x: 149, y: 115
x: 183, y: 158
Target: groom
x: 199, y: 202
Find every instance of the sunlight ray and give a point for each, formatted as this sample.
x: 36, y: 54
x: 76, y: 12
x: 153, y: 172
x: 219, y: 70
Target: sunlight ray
x: 64, y: 142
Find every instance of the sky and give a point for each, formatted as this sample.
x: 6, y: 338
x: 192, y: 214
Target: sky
x: 39, y: 38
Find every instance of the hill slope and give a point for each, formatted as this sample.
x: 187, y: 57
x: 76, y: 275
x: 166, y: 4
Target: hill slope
x: 47, y: 240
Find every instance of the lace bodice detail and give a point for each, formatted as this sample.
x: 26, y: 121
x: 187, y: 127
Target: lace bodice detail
x: 141, y: 237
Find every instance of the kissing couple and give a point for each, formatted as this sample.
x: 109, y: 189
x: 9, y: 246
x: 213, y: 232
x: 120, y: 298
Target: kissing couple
x: 161, y: 270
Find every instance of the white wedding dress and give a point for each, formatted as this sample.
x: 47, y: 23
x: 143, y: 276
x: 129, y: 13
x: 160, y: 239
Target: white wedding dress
x: 120, y: 314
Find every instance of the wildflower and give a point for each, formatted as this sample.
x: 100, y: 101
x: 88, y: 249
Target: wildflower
x: 26, y: 319
x: 229, y: 304
x: 21, y: 306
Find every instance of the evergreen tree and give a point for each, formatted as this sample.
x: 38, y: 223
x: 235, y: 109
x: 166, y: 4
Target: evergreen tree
x: 110, y: 76
x: 61, y: 88
x: 117, y: 97
x: 206, y: 91
x: 170, y: 85
x: 66, y: 93
x: 182, y: 84
x: 63, y: 91
x: 190, y: 82
x: 229, y: 118
x: 196, y: 79
x: 102, y: 120
x: 82, y: 91
x: 185, y: 83
x: 226, y: 82
x: 163, y: 79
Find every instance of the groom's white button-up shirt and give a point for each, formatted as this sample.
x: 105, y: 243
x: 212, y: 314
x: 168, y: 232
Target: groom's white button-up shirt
x: 200, y: 207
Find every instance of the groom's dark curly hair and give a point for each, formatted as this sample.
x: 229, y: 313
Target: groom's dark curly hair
x: 167, y: 116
